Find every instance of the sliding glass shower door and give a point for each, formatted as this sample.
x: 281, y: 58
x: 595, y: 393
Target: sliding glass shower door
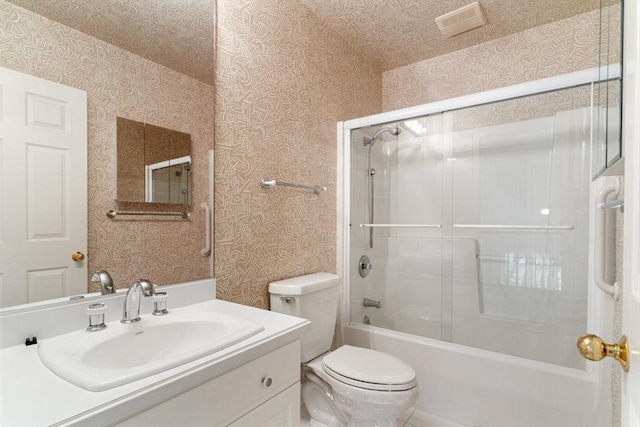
x: 471, y: 226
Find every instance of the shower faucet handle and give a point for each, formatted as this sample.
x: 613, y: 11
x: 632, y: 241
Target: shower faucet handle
x: 364, y: 266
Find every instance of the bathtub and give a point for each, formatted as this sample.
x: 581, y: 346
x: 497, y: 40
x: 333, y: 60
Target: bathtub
x: 479, y: 388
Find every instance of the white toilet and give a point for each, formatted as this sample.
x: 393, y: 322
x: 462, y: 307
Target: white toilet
x: 350, y: 386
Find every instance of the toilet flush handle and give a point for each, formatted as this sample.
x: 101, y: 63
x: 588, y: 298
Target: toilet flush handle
x: 288, y: 300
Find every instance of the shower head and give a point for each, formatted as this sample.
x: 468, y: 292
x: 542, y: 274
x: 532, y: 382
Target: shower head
x: 395, y: 131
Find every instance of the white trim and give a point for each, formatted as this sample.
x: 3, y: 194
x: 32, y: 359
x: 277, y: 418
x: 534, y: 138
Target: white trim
x: 562, y: 81
x: 212, y: 205
x: 342, y: 212
x: 631, y: 265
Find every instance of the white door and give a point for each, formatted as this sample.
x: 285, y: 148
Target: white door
x: 631, y: 279
x: 43, y: 151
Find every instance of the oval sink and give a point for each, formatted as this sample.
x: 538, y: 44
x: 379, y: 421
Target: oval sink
x: 123, y: 353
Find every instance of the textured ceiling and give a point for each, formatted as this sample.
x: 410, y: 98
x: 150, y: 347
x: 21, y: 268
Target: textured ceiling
x: 178, y: 34
x: 401, y: 32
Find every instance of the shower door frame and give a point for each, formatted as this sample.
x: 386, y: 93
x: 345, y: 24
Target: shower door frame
x: 593, y: 373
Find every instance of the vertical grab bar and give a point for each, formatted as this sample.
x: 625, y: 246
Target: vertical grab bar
x: 207, y: 230
x: 600, y: 220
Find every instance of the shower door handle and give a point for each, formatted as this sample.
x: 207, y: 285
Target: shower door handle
x: 600, y: 234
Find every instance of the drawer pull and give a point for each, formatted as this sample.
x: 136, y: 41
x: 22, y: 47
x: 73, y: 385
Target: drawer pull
x: 267, y: 381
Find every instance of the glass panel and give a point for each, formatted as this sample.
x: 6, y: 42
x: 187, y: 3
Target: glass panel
x: 520, y: 234
x: 599, y: 143
x: 479, y: 233
x: 404, y: 173
x: 611, y: 31
x: 607, y: 95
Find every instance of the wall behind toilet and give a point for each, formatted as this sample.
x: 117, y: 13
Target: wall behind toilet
x: 282, y: 82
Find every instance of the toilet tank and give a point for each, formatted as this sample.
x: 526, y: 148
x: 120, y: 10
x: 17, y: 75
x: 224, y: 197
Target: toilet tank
x: 314, y: 297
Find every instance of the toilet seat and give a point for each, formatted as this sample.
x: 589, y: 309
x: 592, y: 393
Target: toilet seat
x: 369, y: 369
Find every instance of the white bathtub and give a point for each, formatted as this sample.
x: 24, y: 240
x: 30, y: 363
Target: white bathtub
x: 480, y: 388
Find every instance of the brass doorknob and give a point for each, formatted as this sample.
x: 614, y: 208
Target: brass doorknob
x: 77, y: 256
x: 592, y: 347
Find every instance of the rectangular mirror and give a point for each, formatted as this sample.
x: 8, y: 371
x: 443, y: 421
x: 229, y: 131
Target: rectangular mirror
x: 154, y: 163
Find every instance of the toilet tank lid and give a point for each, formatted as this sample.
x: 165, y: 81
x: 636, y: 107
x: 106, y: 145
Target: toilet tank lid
x: 302, y: 285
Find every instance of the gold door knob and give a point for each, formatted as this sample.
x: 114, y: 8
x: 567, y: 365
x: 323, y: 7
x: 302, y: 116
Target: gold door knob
x: 77, y: 256
x: 592, y: 347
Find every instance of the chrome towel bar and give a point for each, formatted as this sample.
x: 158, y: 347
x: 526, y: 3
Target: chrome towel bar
x: 612, y: 205
x: 401, y: 225
x: 514, y: 227
x: 112, y: 214
x: 272, y: 183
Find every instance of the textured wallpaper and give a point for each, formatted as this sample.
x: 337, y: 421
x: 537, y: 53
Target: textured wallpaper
x: 282, y: 82
x: 552, y: 49
x: 121, y: 84
x: 398, y: 33
x: 130, y: 159
x: 177, y: 34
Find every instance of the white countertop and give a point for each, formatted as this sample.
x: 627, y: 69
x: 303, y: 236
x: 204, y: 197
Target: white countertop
x: 32, y: 395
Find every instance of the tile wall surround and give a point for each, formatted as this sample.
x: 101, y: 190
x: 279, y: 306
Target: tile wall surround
x: 121, y: 84
x: 283, y: 80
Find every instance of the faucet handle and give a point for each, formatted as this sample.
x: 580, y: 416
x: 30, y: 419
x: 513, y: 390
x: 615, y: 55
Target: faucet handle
x: 148, y: 288
x: 96, y: 317
x: 160, y: 303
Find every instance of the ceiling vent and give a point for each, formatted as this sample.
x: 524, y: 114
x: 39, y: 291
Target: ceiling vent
x: 461, y: 20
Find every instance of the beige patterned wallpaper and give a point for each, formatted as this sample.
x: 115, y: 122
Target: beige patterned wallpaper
x: 130, y: 159
x: 283, y: 80
x: 121, y: 84
x: 175, y: 33
x: 552, y: 49
x: 398, y: 33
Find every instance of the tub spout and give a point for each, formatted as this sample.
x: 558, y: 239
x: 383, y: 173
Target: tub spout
x: 367, y: 302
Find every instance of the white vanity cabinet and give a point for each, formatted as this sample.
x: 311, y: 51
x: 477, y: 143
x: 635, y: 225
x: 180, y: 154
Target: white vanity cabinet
x: 282, y: 410
x: 255, y: 382
x: 264, y: 392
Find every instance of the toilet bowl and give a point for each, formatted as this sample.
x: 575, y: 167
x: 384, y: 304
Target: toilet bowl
x: 350, y: 386
x: 358, y: 387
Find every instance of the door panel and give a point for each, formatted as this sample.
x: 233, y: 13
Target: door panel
x: 631, y: 278
x: 43, y: 150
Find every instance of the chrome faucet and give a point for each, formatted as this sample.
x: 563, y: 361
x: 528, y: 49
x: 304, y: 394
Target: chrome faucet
x: 131, y: 307
x: 103, y: 278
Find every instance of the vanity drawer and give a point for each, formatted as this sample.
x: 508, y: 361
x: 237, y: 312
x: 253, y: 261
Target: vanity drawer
x: 229, y: 396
